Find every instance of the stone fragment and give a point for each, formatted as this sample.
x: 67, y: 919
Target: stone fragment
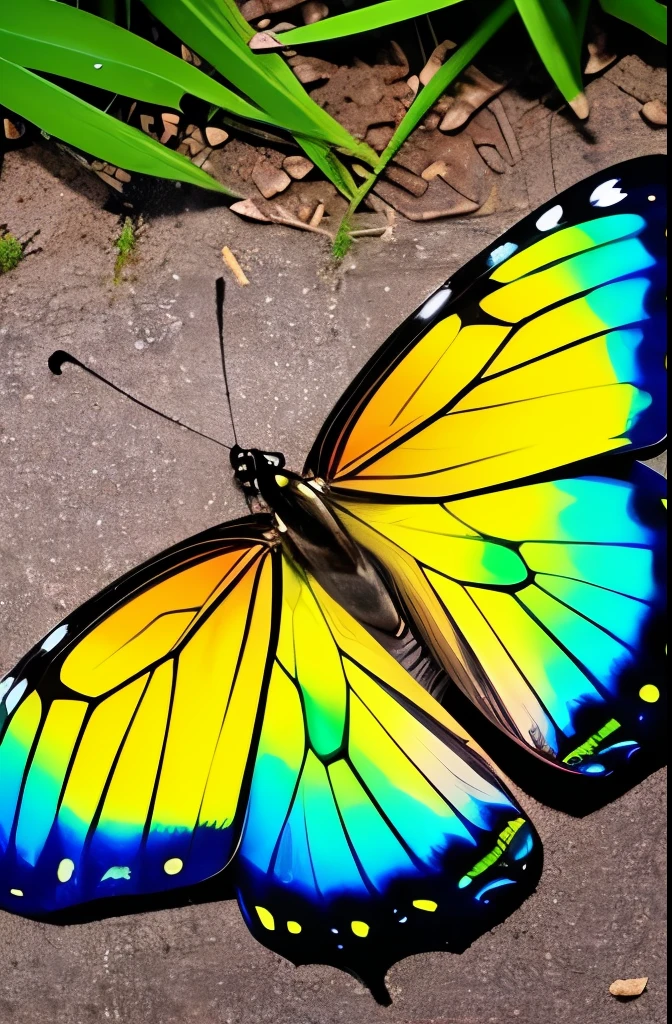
x: 413, y: 183
x: 13, y: 129
x: 297, y: 167
x: 147, y: 124
x: 629, y: 988
x: 378, y: 138
x: 655, y: 113
x: 216, y: 136
x: 270, y: 180
x: 109, y: 180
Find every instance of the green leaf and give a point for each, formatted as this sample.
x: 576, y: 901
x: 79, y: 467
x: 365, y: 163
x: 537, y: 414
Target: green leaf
x: 216, y: 30
x: 362, y: 20
x: 331, y: 166
x: 647, y: 15
x: 76, y: 122
x: 554, y: 35
x: 58, y: 39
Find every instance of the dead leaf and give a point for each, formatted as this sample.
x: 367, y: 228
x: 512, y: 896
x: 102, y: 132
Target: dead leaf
x: 628, y: 989
x: 248, y: 208
x: 472, y: 90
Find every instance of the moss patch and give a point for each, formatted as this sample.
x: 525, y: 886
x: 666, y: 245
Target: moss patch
x: 11, y: 252
x: 125, y: 246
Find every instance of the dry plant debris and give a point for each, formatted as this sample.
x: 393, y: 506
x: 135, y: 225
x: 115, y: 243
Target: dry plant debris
x: 628, y: 989
x: 234, y: 266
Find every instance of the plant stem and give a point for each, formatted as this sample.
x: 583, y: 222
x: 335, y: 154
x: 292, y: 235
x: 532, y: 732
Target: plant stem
x: 428, y: 97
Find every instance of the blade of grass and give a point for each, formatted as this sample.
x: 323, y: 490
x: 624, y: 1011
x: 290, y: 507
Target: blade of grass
x: 61, y: 40
x: 362, y: 20
x: 59, y: 113
x: 216, y: 30
x: 647, y: 15
x: 426, y: 100
x: 553, y: 33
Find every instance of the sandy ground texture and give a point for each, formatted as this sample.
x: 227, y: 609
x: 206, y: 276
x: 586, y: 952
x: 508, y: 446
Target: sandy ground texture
x: 90, y: 485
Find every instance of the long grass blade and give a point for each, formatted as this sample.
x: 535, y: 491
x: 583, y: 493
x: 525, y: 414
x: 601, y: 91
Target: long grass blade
x: 647, y: 15
x: 61, y: 40
x: 364, y: 19
x: 216, y: 30
x: 59, y: 113
x: 554, y: 35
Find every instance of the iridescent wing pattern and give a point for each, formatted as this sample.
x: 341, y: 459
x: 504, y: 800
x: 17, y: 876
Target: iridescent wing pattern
x: 214, y: 707
x: 374, y: 827
x: 470, y: 456
x: 546, y: 602
x: 544, y: 351
x: 125, y: 734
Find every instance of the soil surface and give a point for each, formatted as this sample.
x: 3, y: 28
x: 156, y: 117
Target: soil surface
x: 91, y: 485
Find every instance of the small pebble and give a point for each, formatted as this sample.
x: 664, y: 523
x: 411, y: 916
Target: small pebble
x: 655, y: 113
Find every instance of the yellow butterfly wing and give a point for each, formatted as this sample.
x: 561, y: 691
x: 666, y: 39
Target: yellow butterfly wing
x: 374, y: 827
x: 547, y: 350
x: 125, y: 734
x: 546, y: 604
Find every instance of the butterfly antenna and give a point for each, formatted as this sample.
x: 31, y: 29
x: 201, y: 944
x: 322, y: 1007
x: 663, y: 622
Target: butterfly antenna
x: 220, y: 293
x: 58, y: 359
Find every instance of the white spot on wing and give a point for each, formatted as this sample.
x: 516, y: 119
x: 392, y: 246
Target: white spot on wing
x: 501, y: 253
x: 4, y: 686
x: 54, y: 638
x: 550, y: 219
x: 15, y: 695
x: 608, y: 193
x: 434, y: 303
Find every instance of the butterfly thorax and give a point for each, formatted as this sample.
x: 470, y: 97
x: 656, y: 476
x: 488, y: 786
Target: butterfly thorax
x: 312, y: 536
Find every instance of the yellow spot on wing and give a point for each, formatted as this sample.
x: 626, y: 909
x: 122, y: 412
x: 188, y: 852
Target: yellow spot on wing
x: 360, y: 928
x: 65, y: 870
x: 425, y: 904
x: 266, y: 918
x: 649, y: 693
x: 173, y: 866
x: 292, y: 926
x: 16, y: 892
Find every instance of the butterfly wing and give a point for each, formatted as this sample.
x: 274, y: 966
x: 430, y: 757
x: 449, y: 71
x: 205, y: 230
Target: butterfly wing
x: 545, y: 601
x: 546, y: 350
x: 543, y: 354
x: 374, y: 828
x: 125, y: 734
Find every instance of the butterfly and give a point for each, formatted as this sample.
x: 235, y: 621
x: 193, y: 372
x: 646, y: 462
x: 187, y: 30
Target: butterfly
x: 273, y: 695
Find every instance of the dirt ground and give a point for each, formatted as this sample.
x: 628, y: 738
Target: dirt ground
x: 90, y: 485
